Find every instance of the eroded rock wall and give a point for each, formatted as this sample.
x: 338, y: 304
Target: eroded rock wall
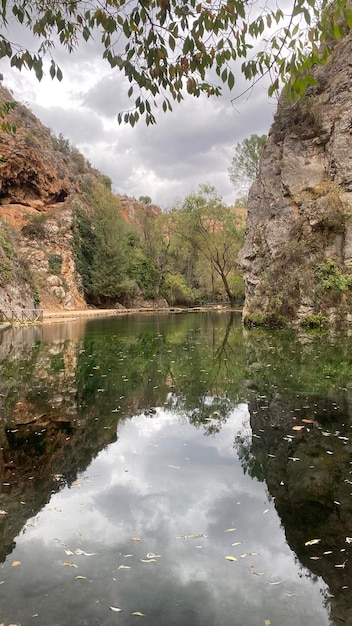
x: 297, y: 258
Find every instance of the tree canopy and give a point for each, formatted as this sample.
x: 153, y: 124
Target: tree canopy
x: 167, y: 48
x: 214, y: 230
x: 245, y: 163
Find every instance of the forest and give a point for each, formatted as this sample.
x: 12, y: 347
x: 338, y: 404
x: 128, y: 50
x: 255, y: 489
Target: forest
x: 186, y: 256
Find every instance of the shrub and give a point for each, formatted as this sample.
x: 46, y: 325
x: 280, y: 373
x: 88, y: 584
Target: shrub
x: 35, y: 227
x: 55, y: 264
x: 311, y: 322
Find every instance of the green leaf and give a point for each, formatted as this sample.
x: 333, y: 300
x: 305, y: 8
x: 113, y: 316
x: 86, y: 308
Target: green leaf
x: 231, y: 80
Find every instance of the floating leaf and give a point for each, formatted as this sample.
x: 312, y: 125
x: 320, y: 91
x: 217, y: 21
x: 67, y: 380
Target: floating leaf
x: 327, y: 552
x: 343, y: 565
x: 115, y: 609
x: 152, y: 555
x: 245, y: 554
x: 68, y: 564
x: 123, y: 567
x: 231, y: 558
x: 148, y: 560
x: 267, y: 622
x: 138, y: 613
x: 3, y: 512
x: 16, y: 563
x: 135, y: 538
x: 194, y: 536
x: 315, y: 558
x: 237, y: 543
x: 80, y: 552
x: 348, y: 540
x: 257, y: 573
x: 69, y: 552
x: 81, y: 577
x: 312, y: 542
x: 230, y: 530
x: 297, y: 427
x: 278, y: 582
x: 173, y: 467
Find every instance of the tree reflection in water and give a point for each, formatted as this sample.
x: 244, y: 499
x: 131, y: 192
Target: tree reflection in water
x: 66, y: 388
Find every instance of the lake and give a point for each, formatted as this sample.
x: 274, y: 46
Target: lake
x: 175, y: 470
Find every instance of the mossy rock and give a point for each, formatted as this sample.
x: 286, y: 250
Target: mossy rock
x: 264, y: 320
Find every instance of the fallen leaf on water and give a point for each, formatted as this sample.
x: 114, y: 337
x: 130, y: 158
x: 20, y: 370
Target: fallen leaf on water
x: 80, y: 552
x: 312, y: 542
x: 267, y: 622
x: 80, y: 577
x: 328, y: 552
x: 68, y: 564
x: 116, y: 609
x: 278, y: 582
x: 135, y: 538
x: 231, y: 558
x: 69, y: 552
x: 294, y: 458
x: 152, y: 555
x: 315, y: 558
x: 329, y: 452
x: 297, y: 427
x: 348, y: 540
x: 3, y: 512
x: 2, y: 582
x: 127, y: 555
x: 343, y: 565
x: 195, y: 536
x: 237, y: 543
x: 266, y: 511
x: 243, y: 556
x: 148, y: 560
x: 257, y: 573
x: 138, y: 613
x: 230, y: 530
x: 16, y: 563
x: 173, y: 467
x: 123, y: 567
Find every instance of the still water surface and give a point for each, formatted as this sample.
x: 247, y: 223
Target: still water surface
x: 174, y: 470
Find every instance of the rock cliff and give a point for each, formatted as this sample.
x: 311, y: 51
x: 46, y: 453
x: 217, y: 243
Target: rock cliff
x: 42, y: 181
x: 297, y: 258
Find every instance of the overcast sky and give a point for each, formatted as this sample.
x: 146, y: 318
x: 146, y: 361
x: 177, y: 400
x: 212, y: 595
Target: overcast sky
x: 192, y: 145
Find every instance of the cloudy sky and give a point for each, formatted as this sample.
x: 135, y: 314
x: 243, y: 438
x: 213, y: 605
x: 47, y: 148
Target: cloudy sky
x: 192, y: 145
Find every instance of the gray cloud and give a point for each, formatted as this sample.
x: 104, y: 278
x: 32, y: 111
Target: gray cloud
x: 192, y: 145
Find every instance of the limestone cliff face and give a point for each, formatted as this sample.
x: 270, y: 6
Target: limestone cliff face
x: 297, y: 258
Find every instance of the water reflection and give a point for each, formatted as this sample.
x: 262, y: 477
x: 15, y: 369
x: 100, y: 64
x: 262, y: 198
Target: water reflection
x: 77, y: 475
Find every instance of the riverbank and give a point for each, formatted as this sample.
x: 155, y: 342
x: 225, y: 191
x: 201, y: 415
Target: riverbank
x: 50, y: 316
